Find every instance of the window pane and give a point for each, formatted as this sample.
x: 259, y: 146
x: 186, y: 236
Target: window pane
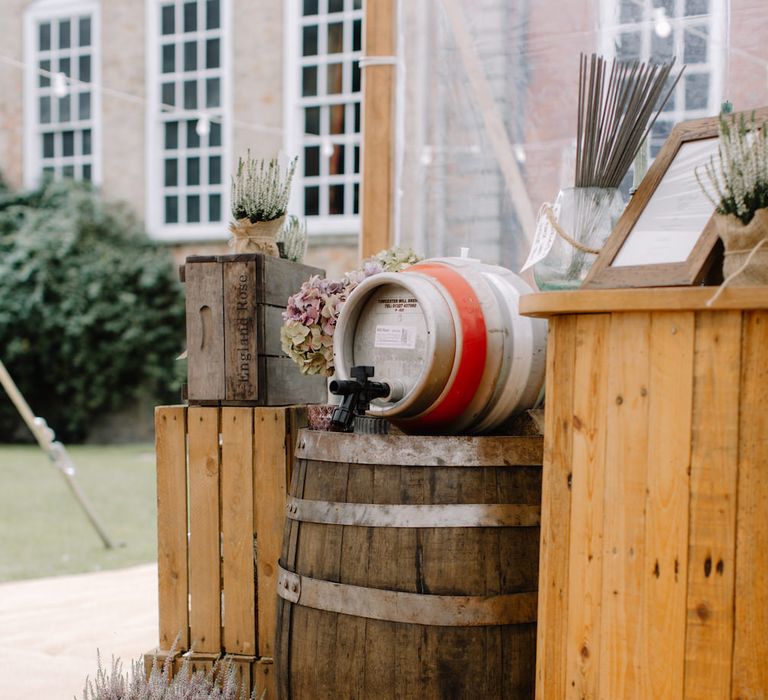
x: 212, y: 48
x: 356, y: 199
x: 336, y: 119
x: 212, y: 14
x: 171, y: 172
x: 309, y: 81
x: 47, y: 145
x: 336, y: 199
x: 335, y: 37
x: 190, y: 16
x: 630, y: 11
x: 86, y: 142
x: 168, y: 20
x: 193, y: 140
x: 357, y: 4
x: 312, y: 120
x: 171, y: 135
x: 84, y: 69
x: 193, y: 171
x: 190, y: 94
x: 87, y: 172
x: 65, y: 112
x: 696, y: 7
x: 214, y: 138
x: 311, y: 161
x: 65, y: 31
x: 357, y: 35
x: 357, y: 159
x: 214, y: 207
x: 168, y: 94
x: 334, y: 74
x: 310, y: 7
x: 68, y: 171
x: 311, y: 201
x: 84, y: 31
x: 697, y: 91
x: 214, y: 170
x: 309, y: 41
x: 190, y: 55
x: 45, y: 110
x: 335, y: 5
x: 662, y: 47
x: 169, y: 58
x: 695, y: 40
x: 65, y: 66
x: 193, y: 208
x: 48, y: 172
x: 171, y: 210
x: 84, y: 105
x: 336, y: 161
x: 212, y: 92
x: 355, y: 76
x: 628, y: 46
x: 44, y: 36
x: 357, y: 117
x: 45, y: 80
x: 67, y: 143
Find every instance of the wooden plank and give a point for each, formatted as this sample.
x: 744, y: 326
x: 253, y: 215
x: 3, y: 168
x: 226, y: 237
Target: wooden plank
x: 171, y: 454
x: 621, y: 645
x: 204, y: 529
x: 377, y: 206
x: 281, y: 278
x: 750, y: 648
x: 237, y: 526
x: 263, y: 675
x: 555, y: 511
x: 590, y: 379
x: 712, y: 526
x: 240, y: 332
x: 666, y: 530
x: 205, y: 330
x: 589, y: 301
x: 269, y: 490
x: 286, y: 385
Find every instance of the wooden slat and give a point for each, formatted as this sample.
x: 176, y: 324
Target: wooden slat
x: 588, y: 301
x: 205, y: 331
x: 204, y: 529
x: 586, y: 545
x: 555, y: 511
x: 237, y: 526
x: 263, y: 675
x: 377, y: 207
x: 171, y: 454
x: 750, y: 648
x: 620, y: 674
x: 240, y: 332
x: 666, y: 509
x: 714, y: 459
x: 270, y: 457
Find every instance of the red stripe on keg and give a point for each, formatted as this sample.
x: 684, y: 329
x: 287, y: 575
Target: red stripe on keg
x: 474, y: 345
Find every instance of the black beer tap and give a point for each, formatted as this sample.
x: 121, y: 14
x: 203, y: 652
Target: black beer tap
x: 358, y: 394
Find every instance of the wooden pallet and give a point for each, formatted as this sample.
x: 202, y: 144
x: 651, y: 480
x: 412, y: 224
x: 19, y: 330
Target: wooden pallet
x: 222, y: 477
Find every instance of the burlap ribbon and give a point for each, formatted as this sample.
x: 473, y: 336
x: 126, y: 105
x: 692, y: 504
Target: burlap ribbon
x: 259, y: 237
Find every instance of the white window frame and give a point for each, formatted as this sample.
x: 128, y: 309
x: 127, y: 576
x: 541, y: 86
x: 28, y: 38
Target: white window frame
x: 53, y: 10
x: 716, y: 50
x: 293, y: 109
x: 155, y: 205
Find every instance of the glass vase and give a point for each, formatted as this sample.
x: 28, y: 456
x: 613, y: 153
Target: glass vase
x: 586, y: 215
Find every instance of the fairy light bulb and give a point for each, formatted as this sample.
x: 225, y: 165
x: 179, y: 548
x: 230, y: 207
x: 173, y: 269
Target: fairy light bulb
x: 60, y: 87
x: 203, y: 126
x: 661, y: 23
x: 519, y: 152
x: 327, y: 149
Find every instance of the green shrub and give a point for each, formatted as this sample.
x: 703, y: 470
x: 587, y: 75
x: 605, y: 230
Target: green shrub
x: 91, y: 314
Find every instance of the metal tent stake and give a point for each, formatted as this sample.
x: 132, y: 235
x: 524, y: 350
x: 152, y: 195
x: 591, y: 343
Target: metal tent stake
x: 57, y: 453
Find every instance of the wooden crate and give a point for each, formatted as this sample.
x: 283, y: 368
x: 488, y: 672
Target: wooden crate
x: 654, y: 522
x: 234, y: 313
x: 222, y: 479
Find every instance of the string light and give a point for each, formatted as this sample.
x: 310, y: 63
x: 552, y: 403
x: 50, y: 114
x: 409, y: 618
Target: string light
x: 661, y: 23
x: 203, y: 126
x: 328, y: 149
x: 60, y: 87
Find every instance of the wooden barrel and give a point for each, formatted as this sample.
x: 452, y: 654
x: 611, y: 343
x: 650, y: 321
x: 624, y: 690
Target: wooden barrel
x: 409, y: 568
x: 446, y: 336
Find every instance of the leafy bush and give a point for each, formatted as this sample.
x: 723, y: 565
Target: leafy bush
x: 91, y: 314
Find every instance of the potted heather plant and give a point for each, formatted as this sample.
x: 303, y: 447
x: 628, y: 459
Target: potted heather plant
x: 260, y: 192
x: 292, y: 239
x: 736, y: 182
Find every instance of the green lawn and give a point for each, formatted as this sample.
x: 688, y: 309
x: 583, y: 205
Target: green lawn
x: 44, y: 532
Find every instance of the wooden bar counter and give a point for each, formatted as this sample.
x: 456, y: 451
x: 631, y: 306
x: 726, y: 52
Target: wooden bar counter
x: 654, y: 534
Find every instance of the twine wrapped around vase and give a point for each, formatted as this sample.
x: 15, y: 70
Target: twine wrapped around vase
x: 259, y: 237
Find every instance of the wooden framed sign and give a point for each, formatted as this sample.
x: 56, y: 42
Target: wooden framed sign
x: 666, y: 235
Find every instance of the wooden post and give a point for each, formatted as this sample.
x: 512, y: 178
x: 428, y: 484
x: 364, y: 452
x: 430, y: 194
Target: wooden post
x: 377, y: 232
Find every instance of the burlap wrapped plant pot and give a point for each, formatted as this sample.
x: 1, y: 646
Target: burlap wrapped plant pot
x: 746, y: 246
x: 259, y: 237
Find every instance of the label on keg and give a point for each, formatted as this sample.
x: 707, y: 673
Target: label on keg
x: 395, y: 337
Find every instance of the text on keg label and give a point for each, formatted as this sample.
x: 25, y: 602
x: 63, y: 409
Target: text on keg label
x: 403, y: 337
x: 399, y: 304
